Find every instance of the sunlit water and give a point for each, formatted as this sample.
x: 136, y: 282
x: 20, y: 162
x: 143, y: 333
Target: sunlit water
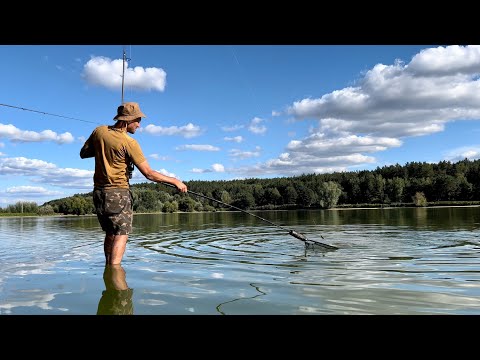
x: 389, y: 261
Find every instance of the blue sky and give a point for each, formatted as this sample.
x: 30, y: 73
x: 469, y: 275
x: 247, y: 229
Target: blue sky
x: 221, y: 112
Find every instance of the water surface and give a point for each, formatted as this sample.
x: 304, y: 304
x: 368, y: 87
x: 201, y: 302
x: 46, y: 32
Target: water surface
x: 389, y: 261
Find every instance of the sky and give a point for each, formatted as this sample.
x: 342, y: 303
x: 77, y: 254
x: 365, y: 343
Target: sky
x: 223, y: 112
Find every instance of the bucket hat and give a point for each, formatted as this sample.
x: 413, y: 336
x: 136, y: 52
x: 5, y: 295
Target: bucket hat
x: 129, y: 111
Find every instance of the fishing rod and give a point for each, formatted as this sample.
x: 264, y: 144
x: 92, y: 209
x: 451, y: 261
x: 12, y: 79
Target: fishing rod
x: 293, y: 233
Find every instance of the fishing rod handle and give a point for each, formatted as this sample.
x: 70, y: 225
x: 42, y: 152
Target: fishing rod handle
x: 297, y: 235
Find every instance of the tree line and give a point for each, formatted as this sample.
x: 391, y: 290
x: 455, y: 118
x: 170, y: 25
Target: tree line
x: 415, y: 183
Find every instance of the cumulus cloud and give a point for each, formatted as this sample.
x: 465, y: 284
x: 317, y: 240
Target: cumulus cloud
x: 237, y: 139
x: 14, y: 134
x: 197, y: 147
x: 46, y: 173
x: 137, y: 176
x: 187, y: 131
x: 218, y: 167
x: 303, y: 164
x: 438, y: 85
x: 255, y: 126
x: 319, y: 145
x: 462, y: 153
x: 103, y: 71
x: 30, y: 191
x: 232, y: 128
x: 242, y: 154
x: 160, y: 157
x: 319, y: 153
x: 387, y: 104
x: 214, y: 168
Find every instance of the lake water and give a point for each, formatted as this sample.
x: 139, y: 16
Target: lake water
x: 389, y: 261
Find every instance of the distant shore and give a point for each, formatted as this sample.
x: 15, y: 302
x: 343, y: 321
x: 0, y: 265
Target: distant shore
x: 6, y: 215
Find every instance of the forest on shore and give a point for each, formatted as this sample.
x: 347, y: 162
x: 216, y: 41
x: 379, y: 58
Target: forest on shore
x: 413, y: 184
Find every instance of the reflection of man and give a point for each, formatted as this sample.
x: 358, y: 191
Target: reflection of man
x: 117, y: 297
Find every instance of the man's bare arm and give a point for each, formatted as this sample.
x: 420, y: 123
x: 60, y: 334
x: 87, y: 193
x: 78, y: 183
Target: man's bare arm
x: 153, y: 175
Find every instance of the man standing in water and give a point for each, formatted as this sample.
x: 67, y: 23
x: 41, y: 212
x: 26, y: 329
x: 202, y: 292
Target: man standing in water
x: 115, y: 155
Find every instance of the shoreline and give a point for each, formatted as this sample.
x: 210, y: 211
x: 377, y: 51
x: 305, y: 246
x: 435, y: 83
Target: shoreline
x: 207, y: 212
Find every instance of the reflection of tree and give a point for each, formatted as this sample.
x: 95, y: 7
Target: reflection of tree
x: 230, y: 301
x: 117, y: 297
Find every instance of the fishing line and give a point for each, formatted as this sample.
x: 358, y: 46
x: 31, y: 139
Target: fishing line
x: 293, y: 233
x: 45, y: 113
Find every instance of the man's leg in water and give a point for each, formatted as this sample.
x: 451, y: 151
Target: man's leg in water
x: 114, y: 248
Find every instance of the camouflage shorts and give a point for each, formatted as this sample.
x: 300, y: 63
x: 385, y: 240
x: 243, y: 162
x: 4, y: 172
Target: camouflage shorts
x: 114, y: 208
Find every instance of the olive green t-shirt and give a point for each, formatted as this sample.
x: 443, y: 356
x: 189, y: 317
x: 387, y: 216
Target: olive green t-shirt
x: 113, y: 149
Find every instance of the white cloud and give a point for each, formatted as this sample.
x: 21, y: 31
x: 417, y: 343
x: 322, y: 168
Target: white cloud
x: 448, y: 60
x: 187, y: 131
x: 218, y: 167
x: 21, y: 193
x: 103, y: 71
x: 16, y: 135
x: 255, y: 126
x: 30, y: 190
x: 237, y: 139
x: 137, y: 176
x: 197, y: 147
x: 437, y: 86
x: 318, y: 153
x: 318, y: 144
x: 165, y: 172
x: 288, y: 165
x: 215, y: 168
x: 241, y: 154
x: 232, y: 128
x: 458, y: 154
x: 160, y: 157
x: 388, y: 103
x: 47, y: 173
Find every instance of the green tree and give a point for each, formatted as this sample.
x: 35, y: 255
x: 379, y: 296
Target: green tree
x: 395, y: 188
x: 186, y: 204
x: 260, y: 195
x: 306, y: 196
x: 244, y: 200
x: 330, y: 192
x: 226, y: 198
x: 290, y: 196
x: 419, y: 199
x: 272, y: 196
x: 446, y: 187
x: 170, y: 206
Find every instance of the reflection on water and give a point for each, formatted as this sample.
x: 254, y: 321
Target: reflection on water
x: 389, y: 261
x: 117, y: 297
